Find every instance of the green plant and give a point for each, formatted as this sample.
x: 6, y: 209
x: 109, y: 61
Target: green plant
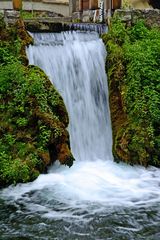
x: 126, y: 4
x: 33, y: 116
x: 134, y: 76
x: 22, y: 122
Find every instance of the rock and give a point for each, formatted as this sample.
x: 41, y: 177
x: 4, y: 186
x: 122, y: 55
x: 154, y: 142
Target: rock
x: 88, y: 16
x: 45, y: 25
x: 33, y: 117
x: 151, y: 16
x: 11, y: 16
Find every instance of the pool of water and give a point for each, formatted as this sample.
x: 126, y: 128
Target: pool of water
x: 108, y: 201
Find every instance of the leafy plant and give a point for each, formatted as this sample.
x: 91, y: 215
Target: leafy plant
x: 134, y: 77
x: 33, y: 116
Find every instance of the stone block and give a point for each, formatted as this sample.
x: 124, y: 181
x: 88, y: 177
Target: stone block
x: 124, y: 15
x: 88, y: 16
x: 151, y: 16
x: 76, y: 16
x: 12, y: 14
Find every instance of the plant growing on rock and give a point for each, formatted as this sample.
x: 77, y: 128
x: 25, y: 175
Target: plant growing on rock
x: 33, y: 116
x: 134, y: 77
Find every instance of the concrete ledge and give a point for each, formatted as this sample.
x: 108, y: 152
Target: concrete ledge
x: 55, y: 26
x: 46, y: 26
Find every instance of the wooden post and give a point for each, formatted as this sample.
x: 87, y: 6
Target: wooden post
x: 85, y: 4
x: 93, y: 4
x: 17, y: 4
x: 116, y: 4
x: 80, y: 5
x: 108, y: 4
x: 113, y: 4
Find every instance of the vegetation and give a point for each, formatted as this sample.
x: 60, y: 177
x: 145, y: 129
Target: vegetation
x: 35, y: 14
x: 33, y: 116
x: 31, y: 14
x: 134, y: 80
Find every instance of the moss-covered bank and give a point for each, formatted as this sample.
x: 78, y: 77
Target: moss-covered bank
x: 133, y: 66
x: 33, y: 116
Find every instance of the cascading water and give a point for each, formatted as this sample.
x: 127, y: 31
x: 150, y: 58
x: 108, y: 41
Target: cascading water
x: 99, y: 28
x: 80, y: 78
x: 96, y: 198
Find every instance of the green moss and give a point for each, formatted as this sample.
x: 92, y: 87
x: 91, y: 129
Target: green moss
x: 134, y: 75
x: 33, y: 115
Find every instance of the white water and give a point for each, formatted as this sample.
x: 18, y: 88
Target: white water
x: 75, y: 63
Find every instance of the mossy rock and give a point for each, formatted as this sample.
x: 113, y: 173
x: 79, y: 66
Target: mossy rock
x: 33, y: 115
x: 134, y: 73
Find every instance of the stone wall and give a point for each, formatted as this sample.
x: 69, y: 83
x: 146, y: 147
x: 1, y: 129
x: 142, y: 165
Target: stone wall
x: 130, y: 16
x: 151, y: 16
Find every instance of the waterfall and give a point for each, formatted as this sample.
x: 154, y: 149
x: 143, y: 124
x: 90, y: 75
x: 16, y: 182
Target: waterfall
x: 99, y: 28
x: 96, y: 198
x: 75, y: 64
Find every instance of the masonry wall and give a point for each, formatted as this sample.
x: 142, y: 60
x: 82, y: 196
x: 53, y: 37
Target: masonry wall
x: 152, y: 16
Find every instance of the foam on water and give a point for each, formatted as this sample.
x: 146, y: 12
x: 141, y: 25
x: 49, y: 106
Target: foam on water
x: 75, y: 63
x: 103, y: 182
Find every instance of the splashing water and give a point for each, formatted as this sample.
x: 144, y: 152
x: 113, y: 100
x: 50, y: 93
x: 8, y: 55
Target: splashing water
x: 88, y: 200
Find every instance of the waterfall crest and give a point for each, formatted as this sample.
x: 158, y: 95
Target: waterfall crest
x: 75, y: 64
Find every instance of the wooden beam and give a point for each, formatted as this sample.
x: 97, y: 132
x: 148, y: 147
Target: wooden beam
x: 93, y: 4
x: 116, y: 4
